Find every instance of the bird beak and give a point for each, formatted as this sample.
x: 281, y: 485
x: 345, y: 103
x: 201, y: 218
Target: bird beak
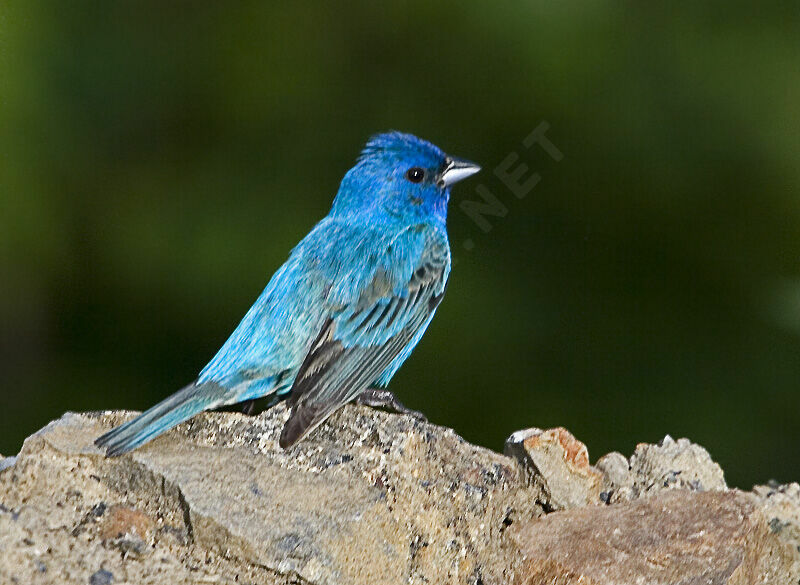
x: 456, y: 169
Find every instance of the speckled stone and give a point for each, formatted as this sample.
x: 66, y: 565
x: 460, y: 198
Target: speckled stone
x: 372, y: 497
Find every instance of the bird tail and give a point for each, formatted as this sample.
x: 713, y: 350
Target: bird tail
x: 181, y: 406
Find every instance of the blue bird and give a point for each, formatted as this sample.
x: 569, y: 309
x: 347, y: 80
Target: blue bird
x: 344, y: 312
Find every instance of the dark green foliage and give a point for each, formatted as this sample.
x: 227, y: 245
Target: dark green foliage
x: 158, y: 160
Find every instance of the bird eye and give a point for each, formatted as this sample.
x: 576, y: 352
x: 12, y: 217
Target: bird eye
x: 415, y: 174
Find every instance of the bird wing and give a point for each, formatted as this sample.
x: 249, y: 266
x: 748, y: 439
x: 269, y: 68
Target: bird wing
x: 359, y: 340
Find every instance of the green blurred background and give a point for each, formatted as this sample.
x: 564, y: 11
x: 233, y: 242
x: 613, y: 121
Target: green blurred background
x: 158, y: 160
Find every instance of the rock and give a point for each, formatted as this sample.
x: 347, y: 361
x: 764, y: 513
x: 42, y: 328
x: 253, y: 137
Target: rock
x: 558, y: 464
x: 780, y: 504
x: 369, y: 498
x: 123, y: 521
x: 6, y: 462
x: 372, y: 497
x: 670, y: 538
x: 125, y: 529
x: 667, y: 465
x: 101, y: 577
x: 616, y: 473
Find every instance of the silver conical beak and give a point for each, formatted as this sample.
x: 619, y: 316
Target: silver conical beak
x: 456, y: 169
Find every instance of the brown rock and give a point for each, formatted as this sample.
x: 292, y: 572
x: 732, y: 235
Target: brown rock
x: 122, y: 521
x: 557, y: 463
x: 675, y: 538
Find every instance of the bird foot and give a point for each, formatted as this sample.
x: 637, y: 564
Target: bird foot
x: 381, y: 398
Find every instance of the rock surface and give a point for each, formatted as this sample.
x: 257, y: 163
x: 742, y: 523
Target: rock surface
x: 674, y: 538
x: 557, y: 464
x: 373, y: 497
x: 667, y: 465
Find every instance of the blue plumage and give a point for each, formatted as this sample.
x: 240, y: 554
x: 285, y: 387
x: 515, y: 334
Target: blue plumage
x: 348, y: 306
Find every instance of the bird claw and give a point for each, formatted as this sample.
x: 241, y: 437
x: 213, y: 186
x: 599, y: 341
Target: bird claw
x: 380, y: 398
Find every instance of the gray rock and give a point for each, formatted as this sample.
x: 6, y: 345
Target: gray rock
x: 6, y: 462
x: 101, y: 577
x: 667, y: 465
x: 780, y: 504
x: 369, y: 498
x: 372, y: 497
x: 616, y: 473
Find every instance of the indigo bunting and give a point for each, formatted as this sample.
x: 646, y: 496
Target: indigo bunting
x: 348, y: 307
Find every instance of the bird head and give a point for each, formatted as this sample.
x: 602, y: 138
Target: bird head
x: 400, y: 176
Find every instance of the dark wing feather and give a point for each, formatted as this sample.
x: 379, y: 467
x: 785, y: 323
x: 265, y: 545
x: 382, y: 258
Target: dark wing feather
x: 335, y: 372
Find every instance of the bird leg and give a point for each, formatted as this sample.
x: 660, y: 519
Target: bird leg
x: 248, y: 406
x: 382, y: 398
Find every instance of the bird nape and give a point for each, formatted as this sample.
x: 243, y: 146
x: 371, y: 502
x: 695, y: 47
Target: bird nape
x: 347, y: 308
